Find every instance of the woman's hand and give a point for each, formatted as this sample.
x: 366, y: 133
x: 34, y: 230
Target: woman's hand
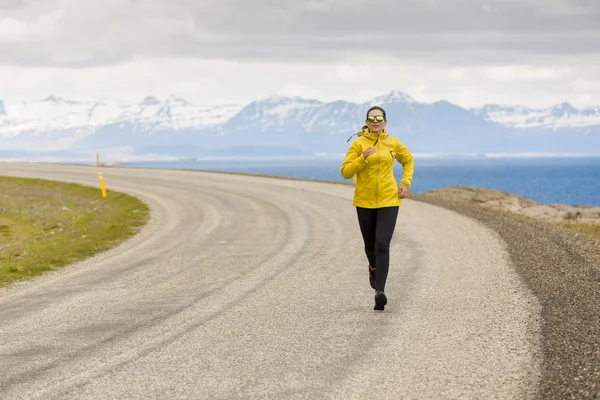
x: 368, y: 152
x: 402, y: 192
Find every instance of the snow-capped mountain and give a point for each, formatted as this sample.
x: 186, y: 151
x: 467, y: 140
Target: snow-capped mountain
x: 56, y: 114
x: 560, y: 116
x: 279, y: 113
x: 289, y: 126
x: 395, y: 96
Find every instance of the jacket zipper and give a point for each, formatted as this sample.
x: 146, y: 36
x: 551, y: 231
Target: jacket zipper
x: 377, y: 177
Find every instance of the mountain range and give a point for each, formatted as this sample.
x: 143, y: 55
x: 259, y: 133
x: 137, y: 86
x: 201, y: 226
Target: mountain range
x: 284, y: 127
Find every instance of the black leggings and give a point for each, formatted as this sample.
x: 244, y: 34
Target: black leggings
x: 377, y: 227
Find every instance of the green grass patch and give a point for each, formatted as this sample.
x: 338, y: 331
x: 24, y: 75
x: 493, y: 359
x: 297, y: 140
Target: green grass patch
x: 45, y: 225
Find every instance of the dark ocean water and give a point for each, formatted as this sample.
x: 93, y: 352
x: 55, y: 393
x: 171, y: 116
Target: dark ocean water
x: 572, y: 181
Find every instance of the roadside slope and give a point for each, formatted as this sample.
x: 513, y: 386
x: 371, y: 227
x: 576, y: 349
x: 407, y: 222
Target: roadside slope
x: 248, y: 286
x: 562, y: 268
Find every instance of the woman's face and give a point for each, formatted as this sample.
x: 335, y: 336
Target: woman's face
x: 375, y: 124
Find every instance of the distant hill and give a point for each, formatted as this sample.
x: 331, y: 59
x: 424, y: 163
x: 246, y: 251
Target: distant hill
x: 284, y: 127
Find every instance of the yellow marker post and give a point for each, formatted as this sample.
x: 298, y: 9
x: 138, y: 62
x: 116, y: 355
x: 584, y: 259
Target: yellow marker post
x: 101, y: 179
x: 97, y: 159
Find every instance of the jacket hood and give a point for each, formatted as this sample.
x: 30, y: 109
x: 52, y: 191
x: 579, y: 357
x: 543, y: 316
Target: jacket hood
x: 368, y: 134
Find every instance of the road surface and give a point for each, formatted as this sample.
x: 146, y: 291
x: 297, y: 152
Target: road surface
x: 254, y: 287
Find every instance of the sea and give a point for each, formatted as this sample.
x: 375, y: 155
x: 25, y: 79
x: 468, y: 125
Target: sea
x: 547, y: 180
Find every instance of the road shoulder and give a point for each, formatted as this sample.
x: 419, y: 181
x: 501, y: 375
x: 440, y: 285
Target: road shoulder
x: 562, y: 268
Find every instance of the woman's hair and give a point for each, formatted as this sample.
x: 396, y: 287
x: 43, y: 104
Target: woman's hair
x: 371, y: 109
x: 376, y: 108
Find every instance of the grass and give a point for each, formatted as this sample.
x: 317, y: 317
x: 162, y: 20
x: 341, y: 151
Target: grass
x: 45, y: 225
x: 586, y: 228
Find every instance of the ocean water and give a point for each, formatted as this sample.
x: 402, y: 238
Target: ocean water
x: 571, y: 181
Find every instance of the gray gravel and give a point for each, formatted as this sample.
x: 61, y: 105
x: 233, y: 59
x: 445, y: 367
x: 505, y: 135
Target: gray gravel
x: 562, y: 268
x: 250, y: 287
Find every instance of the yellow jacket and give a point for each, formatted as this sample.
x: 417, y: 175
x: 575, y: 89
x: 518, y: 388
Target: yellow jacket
x: 375, y: 184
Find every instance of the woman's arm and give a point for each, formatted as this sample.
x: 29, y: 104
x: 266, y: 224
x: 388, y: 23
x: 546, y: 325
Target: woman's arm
x: 404, y: 157
x: 353, y: 161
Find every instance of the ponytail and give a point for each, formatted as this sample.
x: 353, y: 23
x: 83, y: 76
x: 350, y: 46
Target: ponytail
x: 362, y: 129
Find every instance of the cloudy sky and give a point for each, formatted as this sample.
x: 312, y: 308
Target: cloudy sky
x: 470, y: 52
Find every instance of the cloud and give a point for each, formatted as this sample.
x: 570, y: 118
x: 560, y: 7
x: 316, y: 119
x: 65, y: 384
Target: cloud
x: 72, y: 33
x: 533, y: 52
x: 218, y: 81
x: 7, y: 4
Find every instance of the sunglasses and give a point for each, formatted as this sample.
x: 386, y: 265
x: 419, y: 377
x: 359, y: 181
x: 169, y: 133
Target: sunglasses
x: 378, y: 118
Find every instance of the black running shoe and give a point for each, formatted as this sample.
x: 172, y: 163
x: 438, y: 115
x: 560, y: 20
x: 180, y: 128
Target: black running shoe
x: 380, y: 301
x: 372, y: 277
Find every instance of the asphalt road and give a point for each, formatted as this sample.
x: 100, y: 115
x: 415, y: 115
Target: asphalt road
x: 252, y: 287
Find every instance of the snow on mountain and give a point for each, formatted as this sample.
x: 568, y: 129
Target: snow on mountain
x: 294, y: 113
x: 395, y: 96
x: 54, y: 113
x: 275, y: 110
x: 562, y: 115
x: 279, y: 113
x: 173, y: 113
x: 51, y: 113
x: 288, y: 125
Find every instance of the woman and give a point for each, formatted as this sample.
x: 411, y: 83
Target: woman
x: 377, y: 197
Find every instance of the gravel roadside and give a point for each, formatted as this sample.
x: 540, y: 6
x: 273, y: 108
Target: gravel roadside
x: 562, y: 268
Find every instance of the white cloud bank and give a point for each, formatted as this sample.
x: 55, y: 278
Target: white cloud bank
x: 530, y: 52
